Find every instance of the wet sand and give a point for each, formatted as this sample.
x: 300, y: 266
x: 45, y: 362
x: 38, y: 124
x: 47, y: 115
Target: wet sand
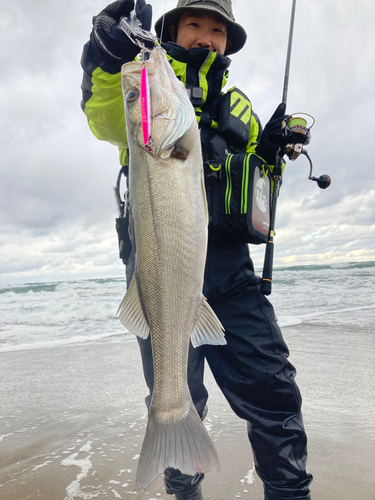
x: 72, y: 421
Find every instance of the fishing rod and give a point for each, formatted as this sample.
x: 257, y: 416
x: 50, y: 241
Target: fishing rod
x: 295, y: 135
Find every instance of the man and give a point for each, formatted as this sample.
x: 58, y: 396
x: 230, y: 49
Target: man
x: 252, y: 370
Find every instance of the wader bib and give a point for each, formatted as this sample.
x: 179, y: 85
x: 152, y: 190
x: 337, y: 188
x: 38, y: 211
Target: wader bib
x: 252, y: 369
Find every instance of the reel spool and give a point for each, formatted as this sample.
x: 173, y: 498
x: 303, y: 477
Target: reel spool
x: 296, y: 134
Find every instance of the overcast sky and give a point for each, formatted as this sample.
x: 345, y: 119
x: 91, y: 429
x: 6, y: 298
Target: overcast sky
x: 57, y: 208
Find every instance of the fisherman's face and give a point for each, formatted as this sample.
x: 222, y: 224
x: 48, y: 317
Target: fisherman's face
x: 201, y: 29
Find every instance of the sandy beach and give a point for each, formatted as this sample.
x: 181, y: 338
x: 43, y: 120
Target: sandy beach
x: 72, y: 421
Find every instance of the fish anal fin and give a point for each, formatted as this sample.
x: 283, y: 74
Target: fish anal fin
x: 184, y: 445
x: 130, y: 312
x: 208, y: 329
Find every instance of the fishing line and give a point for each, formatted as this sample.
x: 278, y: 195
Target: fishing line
x: 309, y: 55
x: 162, y: 23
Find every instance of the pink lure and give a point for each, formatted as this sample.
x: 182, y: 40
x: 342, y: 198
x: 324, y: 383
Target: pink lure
x: 145, y: 108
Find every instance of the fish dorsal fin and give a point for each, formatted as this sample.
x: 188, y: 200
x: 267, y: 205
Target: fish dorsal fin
x: 208, y: 329
x: 130, y: 312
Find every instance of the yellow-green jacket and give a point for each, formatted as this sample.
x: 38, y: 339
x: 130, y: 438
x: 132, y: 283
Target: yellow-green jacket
x: 103, y: 105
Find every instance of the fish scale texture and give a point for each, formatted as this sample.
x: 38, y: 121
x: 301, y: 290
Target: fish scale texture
x: 169, y: 231
x: 171, y: 258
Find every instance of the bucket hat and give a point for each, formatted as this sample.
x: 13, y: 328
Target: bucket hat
x: 236, y: 33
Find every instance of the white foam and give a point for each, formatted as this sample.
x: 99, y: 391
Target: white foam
x: 319, y: 314
x: 79, y: 339
x: 86, y: 447
x: 337, y: 311
x: 5, y: 435
x: 42, y: 465
x: 124, y: 470
x: 250, y: 476
x: 73, y: 490
x: 289, y: 321
x: 285, y: 321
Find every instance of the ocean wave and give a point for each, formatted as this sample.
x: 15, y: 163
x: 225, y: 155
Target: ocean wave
x: 285, y: 321
x: 50, y: 287
x: 327, y: 267
x: 54, y: 314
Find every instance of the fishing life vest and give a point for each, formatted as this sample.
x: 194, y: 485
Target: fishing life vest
x: 238, y: 187
x: 242, y: 194
x: 238, y: 182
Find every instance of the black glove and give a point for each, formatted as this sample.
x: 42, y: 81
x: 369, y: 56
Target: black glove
x: 144, y: 14
x: 110, y: 39
x: 271, y: 137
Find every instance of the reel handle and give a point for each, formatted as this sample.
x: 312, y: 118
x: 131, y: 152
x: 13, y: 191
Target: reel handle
x: 324, y: 180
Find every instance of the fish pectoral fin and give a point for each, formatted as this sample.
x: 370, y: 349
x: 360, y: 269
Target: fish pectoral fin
x: 130, y: 312
x: 208, y: 329
x: 182, y: 123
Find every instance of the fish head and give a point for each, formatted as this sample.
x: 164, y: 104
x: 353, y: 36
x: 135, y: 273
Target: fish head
x: 174, y: 129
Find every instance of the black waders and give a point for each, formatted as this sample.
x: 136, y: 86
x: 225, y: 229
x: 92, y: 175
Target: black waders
x: 182, y: 486
x: 254, y: 374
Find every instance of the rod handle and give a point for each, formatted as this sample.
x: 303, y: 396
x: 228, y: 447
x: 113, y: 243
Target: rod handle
x: 266, y: 283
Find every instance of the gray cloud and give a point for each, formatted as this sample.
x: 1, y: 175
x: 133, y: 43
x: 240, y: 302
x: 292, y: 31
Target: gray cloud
x: 56, y: 203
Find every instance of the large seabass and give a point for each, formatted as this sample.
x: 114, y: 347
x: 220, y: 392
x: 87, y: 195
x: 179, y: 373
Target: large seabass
x: 168, y: 223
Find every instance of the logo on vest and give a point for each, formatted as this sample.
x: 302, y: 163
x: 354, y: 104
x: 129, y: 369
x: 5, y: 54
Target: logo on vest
x: 240, y: 107
x: 261, y: 195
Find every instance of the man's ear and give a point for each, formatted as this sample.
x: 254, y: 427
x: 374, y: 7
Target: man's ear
x: 228, y: 46
x: 172, y: 32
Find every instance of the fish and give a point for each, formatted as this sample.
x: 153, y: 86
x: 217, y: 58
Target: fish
x: 168, y: 228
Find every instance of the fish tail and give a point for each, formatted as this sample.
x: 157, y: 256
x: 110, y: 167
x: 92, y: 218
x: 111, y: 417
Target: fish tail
x: 184, y: 445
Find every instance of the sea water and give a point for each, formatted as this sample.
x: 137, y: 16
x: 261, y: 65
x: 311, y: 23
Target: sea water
x: 49, y: 315
x: 328, y: 317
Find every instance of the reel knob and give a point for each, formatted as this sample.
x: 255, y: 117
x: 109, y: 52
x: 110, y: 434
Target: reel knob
x: 323, y: 181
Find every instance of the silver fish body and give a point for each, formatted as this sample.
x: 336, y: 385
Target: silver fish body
x: 169, y: 232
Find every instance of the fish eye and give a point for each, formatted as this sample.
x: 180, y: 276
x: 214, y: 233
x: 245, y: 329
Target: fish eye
x: 131, y: 96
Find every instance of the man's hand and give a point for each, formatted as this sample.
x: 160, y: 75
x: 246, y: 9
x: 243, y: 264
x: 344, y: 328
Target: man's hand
x: 110, y: 39
x: 121, y: 8
x: 271, y: 137
x: 118, y: 9
x: 144, y: 14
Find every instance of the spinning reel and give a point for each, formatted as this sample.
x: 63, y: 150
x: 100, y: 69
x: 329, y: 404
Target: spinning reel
x: 296, y: 134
